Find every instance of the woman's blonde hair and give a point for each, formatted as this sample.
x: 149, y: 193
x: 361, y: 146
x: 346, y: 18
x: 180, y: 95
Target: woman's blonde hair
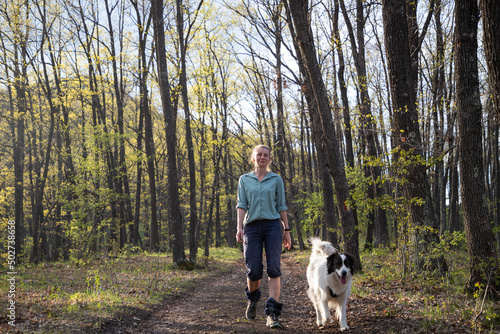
x: 254, y: 153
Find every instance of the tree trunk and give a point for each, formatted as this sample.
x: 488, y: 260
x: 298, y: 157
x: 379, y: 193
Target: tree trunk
x: 279, y: 145
x: 406, y: 135
x: 478, y: 230
x: 453, y: 218
x: 193, y: 214
x: 122, y: 182
x: 308, y: 57
x: 230, y: 205
x: 215, y: 186
x: 18, y: 115
x: 136, y: 239
x: 378, y: 221
x: 173, y: 205
x: 143, y: 70
x: 496, y: 181
x: 150, y: 164
x: 490, y: 12
x: 18, y: 133
x: 438, y: 92
x: 343, y: 89
x: 330, y: 220
x: 38, y: 184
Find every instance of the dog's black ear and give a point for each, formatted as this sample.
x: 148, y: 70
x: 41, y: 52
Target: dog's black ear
x: 331, y: 262
x: 350, y: 262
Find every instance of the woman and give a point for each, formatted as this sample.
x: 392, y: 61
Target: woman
x: 261, y: 210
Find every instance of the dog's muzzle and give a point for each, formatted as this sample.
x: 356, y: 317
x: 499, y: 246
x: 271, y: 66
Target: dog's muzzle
x: 343, y: 278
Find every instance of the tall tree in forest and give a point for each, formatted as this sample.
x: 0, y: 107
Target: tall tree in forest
x: 173, y: 205
x: 330, y: 218
x: 490, y: 12
x: 281, y: 144
x: 84, y: 32
x: 154, y: 238
x: 299, y: 11
x: 415, y: 39
x: 16, y: 34
x: 275, y: 8
x: 349, y: 152
x: 406, y: 135
x: 183, y: 38
x: 368, y: 124
x: 483, y: 263
x: 219, y: 94
x: 39, y: 166
x: 102, y: 133
x: 69, y: 175
x: 347, y: 124
x: 438, y: 86
x: 122, y: 184
x: 143, y: 27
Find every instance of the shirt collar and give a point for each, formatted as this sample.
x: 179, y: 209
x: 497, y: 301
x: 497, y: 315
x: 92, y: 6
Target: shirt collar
x: 269, y: 175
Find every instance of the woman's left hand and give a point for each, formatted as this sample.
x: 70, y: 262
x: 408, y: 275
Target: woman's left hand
x: 287, y: 240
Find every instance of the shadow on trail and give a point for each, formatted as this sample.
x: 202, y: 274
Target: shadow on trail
x: 217, y: 305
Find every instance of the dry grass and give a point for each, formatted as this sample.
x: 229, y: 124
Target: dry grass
x: 70, y: 297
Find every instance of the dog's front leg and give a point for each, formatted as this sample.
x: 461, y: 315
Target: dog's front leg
x: 325, y: 313
x: 341, y: 314
x: 318, y: 314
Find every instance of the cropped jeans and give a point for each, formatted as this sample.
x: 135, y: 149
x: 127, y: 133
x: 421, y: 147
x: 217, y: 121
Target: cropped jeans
x: 259, y: 235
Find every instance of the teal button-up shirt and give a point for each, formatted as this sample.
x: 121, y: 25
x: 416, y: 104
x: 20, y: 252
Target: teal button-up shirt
x: 261, y: 199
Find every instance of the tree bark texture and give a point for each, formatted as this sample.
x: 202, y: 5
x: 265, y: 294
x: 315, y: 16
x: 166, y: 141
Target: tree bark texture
x: 490, y: 12
x: 330, y: 221
x: 406, y: 132
x: 305, y: 42
x: 478, y: 229
x: 18, y: 135
x: 173, y: 203
x: 367, y: 121
x: 193, y: 215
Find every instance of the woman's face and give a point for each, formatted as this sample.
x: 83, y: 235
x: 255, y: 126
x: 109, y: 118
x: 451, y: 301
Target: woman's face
x: 262, y: 157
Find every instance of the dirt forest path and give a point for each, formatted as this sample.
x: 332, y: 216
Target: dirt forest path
x: 217, y: 305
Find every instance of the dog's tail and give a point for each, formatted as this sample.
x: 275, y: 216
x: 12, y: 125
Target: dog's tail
x: 321, y: 248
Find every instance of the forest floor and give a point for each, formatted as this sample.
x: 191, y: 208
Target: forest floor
x: 214, y: 302
x: 217, y: 305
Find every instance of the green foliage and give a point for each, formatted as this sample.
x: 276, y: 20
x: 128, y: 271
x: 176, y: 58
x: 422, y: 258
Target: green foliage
x: 449, y: 241
x: 359, y: 184
x: 312, y: 206
x: 94, y: 281
x: 415, y: 248
x: 224, y: 254
x: 312, y: 203
x: 486, y: 316
x: 496, y: 229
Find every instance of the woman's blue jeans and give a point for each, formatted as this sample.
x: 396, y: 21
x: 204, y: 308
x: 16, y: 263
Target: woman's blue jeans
x: 259, y: 235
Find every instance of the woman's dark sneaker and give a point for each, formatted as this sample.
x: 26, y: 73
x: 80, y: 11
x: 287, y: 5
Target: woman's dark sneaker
x: 273, y: 321
x: 251, y: 310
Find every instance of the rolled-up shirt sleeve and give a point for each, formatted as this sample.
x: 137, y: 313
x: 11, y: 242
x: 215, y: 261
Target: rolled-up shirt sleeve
x: 241, y: 202
x: 280, y: 196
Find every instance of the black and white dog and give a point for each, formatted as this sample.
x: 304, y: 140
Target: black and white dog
x: 329, y: 275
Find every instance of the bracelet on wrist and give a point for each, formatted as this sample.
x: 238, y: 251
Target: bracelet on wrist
x: 288, y: 229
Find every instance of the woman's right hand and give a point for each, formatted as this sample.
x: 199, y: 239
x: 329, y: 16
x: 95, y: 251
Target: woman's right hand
x: 239, y: 236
